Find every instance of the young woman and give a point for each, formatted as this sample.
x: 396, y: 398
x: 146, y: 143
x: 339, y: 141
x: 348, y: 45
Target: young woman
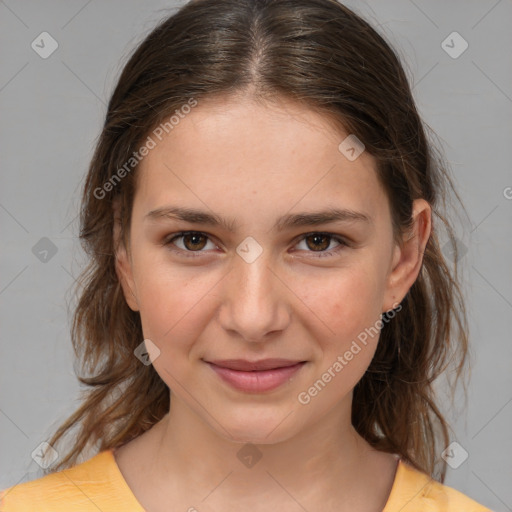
x: 266, y: 306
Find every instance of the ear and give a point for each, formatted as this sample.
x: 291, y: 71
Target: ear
x: 123, y: 263
x: 408, y: 258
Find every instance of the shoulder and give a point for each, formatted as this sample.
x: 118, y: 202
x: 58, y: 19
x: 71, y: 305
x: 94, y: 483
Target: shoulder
x: 416, y: 491
x: 90, y: 486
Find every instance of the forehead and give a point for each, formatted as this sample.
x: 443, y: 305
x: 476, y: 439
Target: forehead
x: 257, y: 158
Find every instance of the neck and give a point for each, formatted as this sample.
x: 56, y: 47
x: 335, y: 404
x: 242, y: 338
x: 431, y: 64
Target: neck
x: 327, y: 457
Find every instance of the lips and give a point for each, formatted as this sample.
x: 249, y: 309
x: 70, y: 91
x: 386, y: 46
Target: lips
x: 256, y: 376
x: 250, y: 366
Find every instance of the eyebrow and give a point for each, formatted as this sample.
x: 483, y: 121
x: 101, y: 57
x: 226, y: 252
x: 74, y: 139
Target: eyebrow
x: 288, y: 221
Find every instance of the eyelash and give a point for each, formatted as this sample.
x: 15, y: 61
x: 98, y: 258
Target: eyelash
x: 168, y: 242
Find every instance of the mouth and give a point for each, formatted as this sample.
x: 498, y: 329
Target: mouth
x: 248, y: 366
x: 255, y: 376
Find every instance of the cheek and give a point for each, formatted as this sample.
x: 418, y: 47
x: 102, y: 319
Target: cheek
x: 170, y: 302
x: 350, y: 305
x: 350, y: 301
x: 172, y: 310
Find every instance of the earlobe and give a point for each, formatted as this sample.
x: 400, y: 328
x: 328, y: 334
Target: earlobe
x: 408, y: 258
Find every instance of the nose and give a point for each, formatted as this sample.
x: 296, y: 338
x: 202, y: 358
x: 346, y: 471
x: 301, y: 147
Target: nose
x: 255, y: 302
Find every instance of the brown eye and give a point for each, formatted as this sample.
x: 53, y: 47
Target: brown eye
x: 194, y: 241
x: 319, y: 241
x: 188, y: 243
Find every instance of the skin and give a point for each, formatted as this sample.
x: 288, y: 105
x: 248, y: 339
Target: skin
x: 253, y: 163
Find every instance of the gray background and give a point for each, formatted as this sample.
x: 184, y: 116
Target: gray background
x: 52, y: 112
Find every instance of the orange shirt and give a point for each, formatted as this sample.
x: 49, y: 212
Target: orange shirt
x: 98, y: 484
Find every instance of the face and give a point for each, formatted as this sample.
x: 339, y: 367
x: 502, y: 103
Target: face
x: 262, y: 272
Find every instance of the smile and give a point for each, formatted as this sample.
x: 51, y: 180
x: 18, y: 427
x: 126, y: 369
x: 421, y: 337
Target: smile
x: 256, y: 381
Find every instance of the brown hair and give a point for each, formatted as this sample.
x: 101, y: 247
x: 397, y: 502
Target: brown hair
x: 321, y: 54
